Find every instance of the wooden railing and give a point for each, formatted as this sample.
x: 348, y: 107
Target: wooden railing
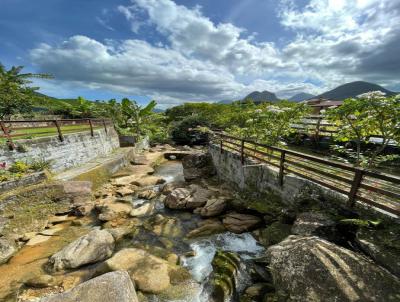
x: 359, y: 185
x: 15, y: 129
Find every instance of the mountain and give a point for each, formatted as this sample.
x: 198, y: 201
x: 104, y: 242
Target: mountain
x: 351, y: 90
x: 302, y: 96
x: 259, y: 97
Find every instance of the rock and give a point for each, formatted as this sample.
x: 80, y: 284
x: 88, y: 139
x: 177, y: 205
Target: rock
x: 124, y: 191
x: 44, y: 235
x: 111, y: 211
x: 150, y: 273
x: 239, y: 223
x: 28, y: 236
x: 148, y: 181
x: 313, y: 223
x: 170, y: 186
x: 112, y: 287
x: 7, y: 250
x: 140, y: 160
x: 60, y: 219
x: 382, y: 245
x: 257, y: 291
x: 187, y: 198
x: 208, y: 227
x: 178, y: 198
x: 144, y: 210
x: 172, y: 258
x: 274, y: 233
x: 124, y: 180
x: 41, y: 281
x: 308, y: 268
x: 225, y: 272
x: 119, y: 233
x: 213, y: 207
x: 147, y: 194
x: 81, y: 210
x: 168, y: 227
x: 77, y: 188
x: 198, y: 165
x: 90, y: 248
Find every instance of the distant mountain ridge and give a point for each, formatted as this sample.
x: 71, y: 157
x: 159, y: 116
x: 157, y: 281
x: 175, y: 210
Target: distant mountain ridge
x: 302, y: 96
x: 353, y: 89
x: 259, y: 97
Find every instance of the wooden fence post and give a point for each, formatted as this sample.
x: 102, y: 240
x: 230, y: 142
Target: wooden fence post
x: 60, y: 135
x: 354, y: 187
x: 91, y: 127
x: 282, y: 167
x: 221, y: 145
x: 242, y: 151
x: 317, y: 129
x: 105, y: 126
x: 7, y: 135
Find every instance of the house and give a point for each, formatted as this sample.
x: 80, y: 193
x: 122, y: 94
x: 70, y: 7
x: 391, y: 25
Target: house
x: 321, y: 104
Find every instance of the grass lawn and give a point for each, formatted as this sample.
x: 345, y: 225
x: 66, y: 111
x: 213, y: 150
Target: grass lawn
x: 42, y: 132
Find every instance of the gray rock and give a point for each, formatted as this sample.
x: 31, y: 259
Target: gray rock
x: 7, y: 249
x: 198, y: 165
x: 111, y: 287
x: 213, y: 207
x: 313, y: 223
x: 239, y: 223
x: 187, y: 198
x: 308, y: 268
x: 90, y: 248
x: 382, y: 246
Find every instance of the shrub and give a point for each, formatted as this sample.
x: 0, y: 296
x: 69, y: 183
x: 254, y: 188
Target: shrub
x: 186, y: 133
x: 19, y: 167
x: 40, y: 165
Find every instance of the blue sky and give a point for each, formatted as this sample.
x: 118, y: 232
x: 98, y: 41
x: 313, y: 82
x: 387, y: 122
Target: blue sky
x: 176, y: 51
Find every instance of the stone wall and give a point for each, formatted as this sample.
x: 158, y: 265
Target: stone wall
x: 76, y: 149
x: 261, y: 178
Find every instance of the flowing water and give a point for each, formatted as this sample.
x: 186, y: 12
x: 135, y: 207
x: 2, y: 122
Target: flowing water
x: 170, y: 238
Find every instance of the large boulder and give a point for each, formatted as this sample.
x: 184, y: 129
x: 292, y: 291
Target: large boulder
x: 112, y: 287
x: 206, y: 228
x: 239, y: 223
x: 150, y: 273
x: 90, y: 248
x: 198, y: 165
x: 308, y: 268
x: 7, y: 249
x: 187, y: 198
x: 213, y: 207
x: 382, y: 245
x: 113, y: 210
x: 313, y: 223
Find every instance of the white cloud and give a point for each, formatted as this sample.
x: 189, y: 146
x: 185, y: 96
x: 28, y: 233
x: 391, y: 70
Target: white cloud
x: 335, y: 42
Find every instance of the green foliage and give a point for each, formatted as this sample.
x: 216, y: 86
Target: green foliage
x: 358, y: 119
x: 19, y: 167
x: 40, y: 165
x: 188, y: 131
x: 15, y: 92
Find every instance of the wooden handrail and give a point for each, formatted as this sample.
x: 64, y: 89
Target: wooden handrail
x: 349, y: 182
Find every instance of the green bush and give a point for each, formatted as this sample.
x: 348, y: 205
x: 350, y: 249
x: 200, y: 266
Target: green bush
x: 186, y: 131
x: 19, y: 167
x: 40, y: 165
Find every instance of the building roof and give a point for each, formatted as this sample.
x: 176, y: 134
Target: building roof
x: 321, y: 102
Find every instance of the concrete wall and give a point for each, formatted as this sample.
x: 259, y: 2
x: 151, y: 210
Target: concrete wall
x: 76, y: 149
x: 256, y: 177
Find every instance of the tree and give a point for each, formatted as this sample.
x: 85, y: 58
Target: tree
x: 269, y: 124
x: 370, y: 114
x: 134, y: 116
x: 84, y: 108
x: 15, y: 92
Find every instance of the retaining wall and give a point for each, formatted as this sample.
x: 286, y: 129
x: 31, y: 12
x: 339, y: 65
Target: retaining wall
x: 76, y: 149
x: 255, y: 177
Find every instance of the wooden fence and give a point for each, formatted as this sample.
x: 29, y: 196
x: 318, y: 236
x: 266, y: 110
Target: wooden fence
x: 359, y: 185
x: 15, y: 129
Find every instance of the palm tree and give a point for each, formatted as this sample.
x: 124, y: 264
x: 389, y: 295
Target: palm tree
x: 15, y: 94
x: 135, y: 115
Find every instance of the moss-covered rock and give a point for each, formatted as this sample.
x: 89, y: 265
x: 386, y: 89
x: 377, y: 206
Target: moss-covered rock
x: 225, y: 270
x: 274, y: 233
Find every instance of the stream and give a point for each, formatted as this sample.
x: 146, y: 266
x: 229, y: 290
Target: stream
x: 204, y: 248
x: 194, y: 254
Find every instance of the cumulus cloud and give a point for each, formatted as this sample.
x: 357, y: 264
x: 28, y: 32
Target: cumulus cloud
x: 335, y: 41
